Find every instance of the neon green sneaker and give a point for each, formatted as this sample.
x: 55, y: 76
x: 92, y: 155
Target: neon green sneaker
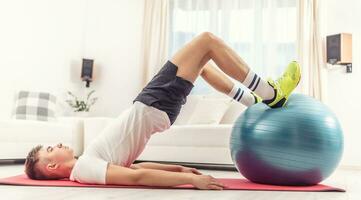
x: 257, y: 99
x: 284, y: 85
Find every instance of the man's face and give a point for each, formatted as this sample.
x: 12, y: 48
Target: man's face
x: 57, y: 154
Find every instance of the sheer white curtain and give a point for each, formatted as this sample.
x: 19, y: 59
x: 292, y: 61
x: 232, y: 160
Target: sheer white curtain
x: 155, y: 37
x: 309, y: 47
x: 263, y: 32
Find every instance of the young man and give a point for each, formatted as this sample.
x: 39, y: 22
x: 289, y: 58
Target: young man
x: 109, y: 158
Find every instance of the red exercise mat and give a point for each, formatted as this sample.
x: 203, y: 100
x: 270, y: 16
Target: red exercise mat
x: 230, y: 183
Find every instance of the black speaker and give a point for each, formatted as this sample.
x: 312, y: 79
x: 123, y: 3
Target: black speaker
x: 339, y: 50
x: 87, y: 71
x: 334, y: 48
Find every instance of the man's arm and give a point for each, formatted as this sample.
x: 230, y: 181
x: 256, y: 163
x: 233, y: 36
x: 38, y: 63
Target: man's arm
x: 118, y: 175
x: 151, y: 165
x: 172, y: 168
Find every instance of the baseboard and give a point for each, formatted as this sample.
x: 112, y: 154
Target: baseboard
x: 11, y: 161
x: 349, y: 167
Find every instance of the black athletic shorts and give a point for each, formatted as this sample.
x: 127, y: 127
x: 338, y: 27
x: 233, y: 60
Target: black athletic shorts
x: 166, y: 91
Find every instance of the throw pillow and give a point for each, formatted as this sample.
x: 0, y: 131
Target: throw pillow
x: 35, y: 106
x: 234, y: 110
x: 209, y: 111
x: 187, y: 109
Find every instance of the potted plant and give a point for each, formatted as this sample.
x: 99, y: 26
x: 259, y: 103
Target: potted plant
x: 81, y: 107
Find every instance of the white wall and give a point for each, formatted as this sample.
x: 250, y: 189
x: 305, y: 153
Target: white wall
x: 42, y: 43
x: 113, y: 39
x: 343, y: 90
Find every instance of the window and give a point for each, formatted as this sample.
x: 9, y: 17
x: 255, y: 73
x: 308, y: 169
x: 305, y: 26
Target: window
x: 262, y: 32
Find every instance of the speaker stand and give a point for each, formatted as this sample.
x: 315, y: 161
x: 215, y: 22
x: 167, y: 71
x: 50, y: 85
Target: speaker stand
x: 349, y: 68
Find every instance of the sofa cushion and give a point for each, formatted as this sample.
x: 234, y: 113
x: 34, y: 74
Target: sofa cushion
x: 232, y: 113
x: 209, y: 110
x: 35, y: 106
x: 188, y: 109
x: 17, y: 137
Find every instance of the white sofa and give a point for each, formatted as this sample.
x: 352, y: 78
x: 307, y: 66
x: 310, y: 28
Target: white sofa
x: 184, y: 142
x: 17, y: 137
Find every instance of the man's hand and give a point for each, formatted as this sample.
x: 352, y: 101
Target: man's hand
x: 189, y: 170
x: 206, y: 182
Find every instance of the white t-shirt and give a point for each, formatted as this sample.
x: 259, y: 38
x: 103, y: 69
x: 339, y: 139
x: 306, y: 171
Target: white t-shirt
x: 120, y: 143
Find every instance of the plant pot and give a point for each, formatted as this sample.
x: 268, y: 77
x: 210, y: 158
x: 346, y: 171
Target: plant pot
x: 81, y: 114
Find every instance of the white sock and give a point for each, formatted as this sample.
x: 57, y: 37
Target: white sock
x: 259, y: 86
x: 243, y: 96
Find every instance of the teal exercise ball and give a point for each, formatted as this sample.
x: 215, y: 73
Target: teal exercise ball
x: 299, y: 144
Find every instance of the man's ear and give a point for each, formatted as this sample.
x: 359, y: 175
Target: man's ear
x: 52, y: 166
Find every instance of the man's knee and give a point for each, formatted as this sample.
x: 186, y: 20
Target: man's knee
x: 209, y: 38
x: 207, y: 35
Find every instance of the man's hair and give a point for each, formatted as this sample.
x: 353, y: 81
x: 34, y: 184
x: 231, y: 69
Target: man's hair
x: 32, y: 168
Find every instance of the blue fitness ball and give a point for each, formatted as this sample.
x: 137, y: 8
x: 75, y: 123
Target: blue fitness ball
x: 298, y: 144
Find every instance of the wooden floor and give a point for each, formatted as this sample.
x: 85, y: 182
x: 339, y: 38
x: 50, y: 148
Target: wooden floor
x: 345, y: 178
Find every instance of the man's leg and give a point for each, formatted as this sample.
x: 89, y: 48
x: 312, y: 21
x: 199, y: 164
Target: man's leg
x: 193, y: 56
x: 216, y: 78
x: 223, y: 83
